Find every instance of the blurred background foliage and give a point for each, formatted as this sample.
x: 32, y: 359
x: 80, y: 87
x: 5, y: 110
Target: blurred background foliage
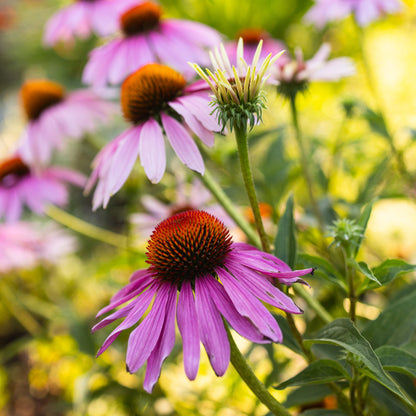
x: 46, y: 347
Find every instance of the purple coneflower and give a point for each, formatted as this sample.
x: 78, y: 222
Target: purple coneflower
x: 155, y: 97
x: 21, y: 185
x: 54, y: 115
x: 365, y: 11
x: 199, y: 274
x: 251, y: 38
x: 83, y: 17
x: 24, y: 245
x: 147, y: 38
x: 295, y: 75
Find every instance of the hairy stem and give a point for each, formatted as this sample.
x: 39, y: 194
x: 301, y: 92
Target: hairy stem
x: 242, y: 145
x: 253, y: 383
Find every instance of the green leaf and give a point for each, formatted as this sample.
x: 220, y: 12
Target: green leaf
x: 397, y: 359
x: 395, y: 325
x: 289, y: 340
x: 323, y: 412
x: 321, y: 371
x: 309, y: 394
x: 374, y: 180
x: 390, y: 269
x: 376, y: 122
x: 324, y: 269
x: 285, y: 242
x: 363, y: 268
x: 343, y: 333
x: 362, y: 222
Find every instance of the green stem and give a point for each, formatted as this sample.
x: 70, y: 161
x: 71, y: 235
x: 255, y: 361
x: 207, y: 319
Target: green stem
x: 350, y: 274
x: 229, y: 207
x: 85, y: 228
x: 9, y: 301
x: 313, y: 303
x: 253, y: 383
x: 305, y: 164
x: 242, y: 145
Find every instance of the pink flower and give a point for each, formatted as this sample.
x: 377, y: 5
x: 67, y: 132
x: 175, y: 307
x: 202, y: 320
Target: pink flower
x: 20, y: 185
x: 189, y: 196
x: 23, y: 245
x: 154, y: 98
x: 295, y: 75
x: 198, y: 274
x: 83, y: 17
x: 365, y: 11
x: 251, y: 38
x: 148, y: 38
x: 54, y: 116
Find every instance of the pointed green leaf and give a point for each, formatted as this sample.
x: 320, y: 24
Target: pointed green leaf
x: 362, y: 222
x: 285, y: 242
x: 343, y: 333
x: 321, y: 371
x: 396, y: 325
x: 390, y: 269
x: 324, y: 269
x: 309, y: 394
x: 363, y: 268
x: 397, y: 359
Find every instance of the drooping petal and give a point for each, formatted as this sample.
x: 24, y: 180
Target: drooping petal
x: 249, y: 306
x: 164, y: 345
x: 211, y: 329
x: 224, y: 304
x: 152, y: 150
x: 140, y: 306
x: 205, y: 135
x: 188, y: 326
x: 262, y: 288
x: 144, y: 338
x: 182, y: 144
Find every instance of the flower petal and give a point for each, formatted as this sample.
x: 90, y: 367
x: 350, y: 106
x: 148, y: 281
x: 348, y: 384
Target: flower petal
x: 188, y: 326
x: 211, y: 329
x: 152, y: 150
x: 182, y: 144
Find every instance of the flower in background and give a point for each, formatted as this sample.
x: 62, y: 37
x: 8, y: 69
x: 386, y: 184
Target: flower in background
x: 24, y: 245
x: 147, y: 38
x: 364, y: 11
x: 54, y: 115
x: 83, y: 17
x: 251, y: 38
x: 156, y: 100
x: 294, y: 76
x: 199, y: 273
x: 189, y: 196
x: 21, y: 185
x: 237, y: 89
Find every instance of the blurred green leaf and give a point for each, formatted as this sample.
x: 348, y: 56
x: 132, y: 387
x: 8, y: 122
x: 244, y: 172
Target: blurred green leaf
x: 343, y: 333
x: 395, y: 325
x: 362, y: 222
x: 397, y: 359
x: 308, y: 394
x: 289, y: 340
x: 376, y: 121
x: 324, y: 269
x: 285, y: 242
x: 374, y: 180
x: 387, y: 271
x: 318, y: 372
x: 323, y: 412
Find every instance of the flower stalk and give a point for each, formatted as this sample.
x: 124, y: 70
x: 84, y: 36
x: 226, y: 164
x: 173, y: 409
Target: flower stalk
x: 242, y: 145
x: 252, y: 382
